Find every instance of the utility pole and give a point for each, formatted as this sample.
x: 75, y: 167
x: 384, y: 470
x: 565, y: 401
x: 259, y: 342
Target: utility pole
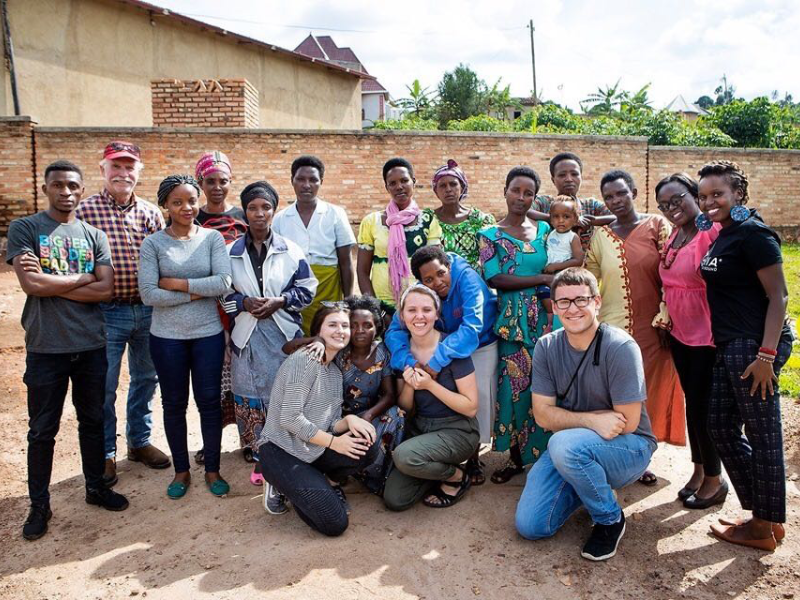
x: 533, y: 63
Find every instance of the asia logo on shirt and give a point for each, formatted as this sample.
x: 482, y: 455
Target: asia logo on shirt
x: 710, y: 263
x: 61, y: 255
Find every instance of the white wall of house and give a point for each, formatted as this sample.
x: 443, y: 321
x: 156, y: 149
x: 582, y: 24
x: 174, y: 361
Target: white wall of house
x: 372, y: 109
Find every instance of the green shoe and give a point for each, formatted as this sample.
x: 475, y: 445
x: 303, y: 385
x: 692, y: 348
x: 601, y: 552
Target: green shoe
x: 177, y: 489
x: 219, y: 488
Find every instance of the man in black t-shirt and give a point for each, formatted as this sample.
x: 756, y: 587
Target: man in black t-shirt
x: 64, y: 267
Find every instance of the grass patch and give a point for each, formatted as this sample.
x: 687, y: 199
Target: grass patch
x: 790, y: 375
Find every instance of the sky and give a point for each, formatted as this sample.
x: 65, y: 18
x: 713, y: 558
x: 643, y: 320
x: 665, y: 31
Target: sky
x: 679, y: 47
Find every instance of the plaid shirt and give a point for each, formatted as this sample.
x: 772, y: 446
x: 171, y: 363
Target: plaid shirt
x: 126, y: 228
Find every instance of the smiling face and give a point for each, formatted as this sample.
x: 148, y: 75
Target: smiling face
x: 567, y: 177
x: 120, y: 175
x: 182, y: 204
x: 363, y: 329
x: 448, y: 190
x: 400, y: 186
x: 418, y: 313
x: 520, y: 194
x: 677, y: 204
x: 259, y: 215
x: 717, y: 197
x: 306, y: 183
x: 335, y: 330
x: 215, y: 187
x: 619, y: 198
x: 436, y: 276
x: 64, y: 190
x: 574, y: 319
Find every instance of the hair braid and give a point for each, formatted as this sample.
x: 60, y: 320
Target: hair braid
x: 730, y: 170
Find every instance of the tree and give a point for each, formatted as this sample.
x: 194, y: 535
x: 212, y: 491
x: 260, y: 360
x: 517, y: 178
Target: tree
x: 461, y: 94
x: 636, y: 102
x: 704, y: 102
x: 498, y: 100
x: 751, y: 124
x: 725, y: 93
x: 419, y: 100
x: 603, y: 101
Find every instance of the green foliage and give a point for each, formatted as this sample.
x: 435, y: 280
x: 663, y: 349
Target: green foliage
x: 479, y: 123
x: 461, y: 94
x: 704, y: 102
x: 790, y: 375
x: 419, y: 100
x: 410, y: 124
x: 603, y: 101
x: 750, y: 124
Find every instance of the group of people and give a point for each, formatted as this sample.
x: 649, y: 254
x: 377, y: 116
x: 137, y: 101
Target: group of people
x: 572, y: 334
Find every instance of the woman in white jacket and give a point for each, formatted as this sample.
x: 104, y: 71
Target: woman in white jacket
x: 272, y: 283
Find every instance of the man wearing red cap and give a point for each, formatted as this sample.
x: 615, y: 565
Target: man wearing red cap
x: 126, y: 220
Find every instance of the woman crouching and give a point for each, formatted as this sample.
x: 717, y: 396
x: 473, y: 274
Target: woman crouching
x: 306, y: 448
x: 443, y: 430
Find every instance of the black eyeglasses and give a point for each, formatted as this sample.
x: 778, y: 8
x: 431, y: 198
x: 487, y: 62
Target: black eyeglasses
x: 580, y: 302
x: 337, y: 305
x: 675, y: 201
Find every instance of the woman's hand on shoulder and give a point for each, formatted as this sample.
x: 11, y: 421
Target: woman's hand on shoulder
x: 315, y: 350
x: 361, y: 428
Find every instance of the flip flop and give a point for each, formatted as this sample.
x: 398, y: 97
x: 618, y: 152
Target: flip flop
x: 505, y: 474
x: 648, y: 478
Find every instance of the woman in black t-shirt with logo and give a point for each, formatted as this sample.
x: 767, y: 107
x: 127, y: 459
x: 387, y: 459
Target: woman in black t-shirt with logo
x: 747, y: 295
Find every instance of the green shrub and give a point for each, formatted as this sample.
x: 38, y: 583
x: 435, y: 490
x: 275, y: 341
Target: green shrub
x: 409, y: 124
x: 479, y: 123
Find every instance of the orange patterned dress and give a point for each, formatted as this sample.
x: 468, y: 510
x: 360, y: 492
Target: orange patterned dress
x: 630, y: 286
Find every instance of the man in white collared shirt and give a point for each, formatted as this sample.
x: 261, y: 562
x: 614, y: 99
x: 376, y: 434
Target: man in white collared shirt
x: 322, y: 230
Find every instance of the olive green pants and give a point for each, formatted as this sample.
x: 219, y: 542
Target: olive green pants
x: 430, y: 455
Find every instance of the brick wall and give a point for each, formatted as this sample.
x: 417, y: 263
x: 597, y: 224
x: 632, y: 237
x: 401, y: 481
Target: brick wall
x: 354, y: 160
x: 204, y: 103
x: 18, y: 194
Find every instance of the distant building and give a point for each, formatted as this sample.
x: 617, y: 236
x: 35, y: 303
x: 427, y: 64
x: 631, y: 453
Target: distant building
x: 81, y: 63
x: 688, y: 111
x: 374, y: 97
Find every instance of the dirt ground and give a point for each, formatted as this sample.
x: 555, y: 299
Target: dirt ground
x: 203, y: 546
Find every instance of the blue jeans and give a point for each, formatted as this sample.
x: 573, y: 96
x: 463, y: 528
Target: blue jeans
x: 129, y: 325
x: 176, y: 362
x: 579, y: 468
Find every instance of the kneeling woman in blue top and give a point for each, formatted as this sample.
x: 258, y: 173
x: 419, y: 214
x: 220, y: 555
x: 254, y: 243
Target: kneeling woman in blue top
x: 443, y: 430
x: 306, y: 447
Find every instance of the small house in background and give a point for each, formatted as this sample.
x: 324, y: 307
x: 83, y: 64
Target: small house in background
x: 688, y: 111
x: 374, y: 97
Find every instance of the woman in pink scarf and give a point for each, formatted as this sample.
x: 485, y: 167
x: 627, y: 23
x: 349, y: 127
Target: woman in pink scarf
x: 387, y: 238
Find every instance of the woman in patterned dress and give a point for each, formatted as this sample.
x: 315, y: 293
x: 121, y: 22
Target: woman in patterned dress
x: 460, y: 223
x: 512, y: 257
x: 388, y: 238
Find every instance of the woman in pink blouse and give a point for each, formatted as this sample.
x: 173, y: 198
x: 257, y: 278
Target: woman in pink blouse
x: 691, y: 342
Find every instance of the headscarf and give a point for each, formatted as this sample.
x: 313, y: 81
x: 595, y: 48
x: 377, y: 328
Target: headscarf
x: 396, y: 219
x: 170, y: 183
x: 212, y: 162
x: 451, y: 169
x: 258, y: 189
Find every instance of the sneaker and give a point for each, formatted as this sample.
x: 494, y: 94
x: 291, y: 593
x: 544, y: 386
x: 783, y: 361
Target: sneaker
x: 603, y: 542
x: 107, y: 498
x: 36, y: 524
x: 274, y: 501
x: 340, y: 492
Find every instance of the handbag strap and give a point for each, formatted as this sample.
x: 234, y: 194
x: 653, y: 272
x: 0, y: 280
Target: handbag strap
x: 598, y: 337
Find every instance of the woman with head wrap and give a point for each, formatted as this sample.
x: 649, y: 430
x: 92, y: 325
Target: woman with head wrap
x: 213, y: 173
x: 272, y: 283
x: 388, y: 238
x: 183, y: 269
x: 460, y: 222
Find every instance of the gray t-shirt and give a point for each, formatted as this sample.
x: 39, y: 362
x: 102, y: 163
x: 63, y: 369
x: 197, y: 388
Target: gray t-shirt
x: 618, y: 379
x: 55, y: 325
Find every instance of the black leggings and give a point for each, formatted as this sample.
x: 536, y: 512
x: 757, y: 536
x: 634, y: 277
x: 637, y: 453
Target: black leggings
x: 306, y: 486
x: 695, y: 366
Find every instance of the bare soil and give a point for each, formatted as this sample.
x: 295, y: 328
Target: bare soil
x: 205, y: 547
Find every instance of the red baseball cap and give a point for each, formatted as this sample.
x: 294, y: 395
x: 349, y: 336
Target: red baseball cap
x: 121, y: 149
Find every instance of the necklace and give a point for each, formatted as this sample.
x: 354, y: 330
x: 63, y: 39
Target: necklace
x: 188, y: 236
x: 667, y: 257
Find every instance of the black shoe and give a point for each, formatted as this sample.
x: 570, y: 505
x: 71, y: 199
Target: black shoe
x: 107, y: 498
x: 686, y: 492
x: 340, y: 492
x: 36, y: 524
x: 719, y: 498
x: 604, y: 540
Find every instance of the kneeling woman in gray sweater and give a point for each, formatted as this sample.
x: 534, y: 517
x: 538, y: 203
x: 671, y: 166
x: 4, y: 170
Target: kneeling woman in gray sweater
x: 306, y: 448
x: 183, y: 270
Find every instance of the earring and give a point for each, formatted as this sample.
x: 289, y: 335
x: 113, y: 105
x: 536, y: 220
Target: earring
x: 739, y: 213
x: 702, y: 222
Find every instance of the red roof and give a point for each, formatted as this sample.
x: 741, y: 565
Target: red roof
x: 336, y: 53
x: 372, y: 85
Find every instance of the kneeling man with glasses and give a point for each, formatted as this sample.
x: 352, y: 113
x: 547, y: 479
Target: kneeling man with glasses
x: 588, y: 387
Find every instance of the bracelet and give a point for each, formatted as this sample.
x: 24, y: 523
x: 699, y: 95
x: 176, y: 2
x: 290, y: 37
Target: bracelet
x: 765, y: 359
x: 768, y: 351
x: 331, y: 442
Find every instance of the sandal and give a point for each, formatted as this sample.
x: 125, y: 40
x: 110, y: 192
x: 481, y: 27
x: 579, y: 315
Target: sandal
x: 505, y: 474
x: 648, y: 478
x: 256, y: 478
x: 444, y: 500
x: 474, y: 467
